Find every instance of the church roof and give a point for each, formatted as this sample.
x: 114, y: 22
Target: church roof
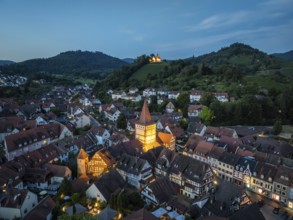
x: 145, y: 116
x: 82, y: 154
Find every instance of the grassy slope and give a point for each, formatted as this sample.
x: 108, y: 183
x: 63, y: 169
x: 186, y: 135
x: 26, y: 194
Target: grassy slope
x: 152, y: 68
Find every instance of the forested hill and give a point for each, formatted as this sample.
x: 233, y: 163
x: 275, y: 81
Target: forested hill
x: 239, y: 55
x: 286, y: 56
x: 232, y: 67
x: 78, y: 62
x: 5, y: 62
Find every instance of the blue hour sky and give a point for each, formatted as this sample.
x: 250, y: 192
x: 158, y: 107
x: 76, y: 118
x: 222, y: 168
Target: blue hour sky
x: 129, y: 28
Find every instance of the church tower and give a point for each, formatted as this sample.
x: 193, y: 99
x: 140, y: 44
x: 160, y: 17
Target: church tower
x: 82, y: 161
x: 145, y: 129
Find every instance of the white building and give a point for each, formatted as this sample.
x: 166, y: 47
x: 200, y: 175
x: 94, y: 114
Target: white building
x: 17, y: 204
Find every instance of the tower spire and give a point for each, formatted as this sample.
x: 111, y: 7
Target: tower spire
x: 145, y: 116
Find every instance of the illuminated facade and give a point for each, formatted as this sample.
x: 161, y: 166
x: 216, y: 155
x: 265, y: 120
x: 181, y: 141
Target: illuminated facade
x: 155, y: 59
x: 100, y: 161
x: 146, y: 130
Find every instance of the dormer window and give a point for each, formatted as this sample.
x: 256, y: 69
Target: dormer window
x: 270, y: 179
x: 261, y: 176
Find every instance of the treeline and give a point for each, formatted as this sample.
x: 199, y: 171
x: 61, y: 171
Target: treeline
x: 253, y: 109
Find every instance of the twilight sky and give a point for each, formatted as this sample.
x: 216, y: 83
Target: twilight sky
x: 129, y: 28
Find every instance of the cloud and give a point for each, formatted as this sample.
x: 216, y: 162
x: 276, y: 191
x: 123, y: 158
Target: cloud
x: 220, y: 20
x: 202, y: 43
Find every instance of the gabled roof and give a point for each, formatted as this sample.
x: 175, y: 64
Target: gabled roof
x: 42, y: 210
x: 284, y: 176
x: 245, y: 162
x: 196, y: 171
x: 153, y: 154
x: 15, y: 198
x: 265, y: 171
x: 179, y: 164
x: 229, y: 158
x: 145, y: 116
x: 204, y: 147
x: 269, y: 145
x: 141, y: 214
x: 14, y: 141
x: 166, y: 138
x: 192, y: 142
x: 107, y: 214
x: 109, y: 183
x: 192, y: 108
x: 98, y: 130
x: 131, y: 164
x: 58, y: 170
x: 162, y: 189
x: 105, y: 155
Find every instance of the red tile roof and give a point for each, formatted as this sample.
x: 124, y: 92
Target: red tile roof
x: 145, y: 116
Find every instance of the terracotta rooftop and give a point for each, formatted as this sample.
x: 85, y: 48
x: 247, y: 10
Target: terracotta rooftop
x: 82, y: 154
x: 145, y: 116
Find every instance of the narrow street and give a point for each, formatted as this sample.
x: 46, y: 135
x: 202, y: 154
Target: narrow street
x: 269, y: 205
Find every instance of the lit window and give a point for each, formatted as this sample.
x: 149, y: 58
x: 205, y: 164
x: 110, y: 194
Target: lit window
x: 290, y: 205
x: 276, y: 197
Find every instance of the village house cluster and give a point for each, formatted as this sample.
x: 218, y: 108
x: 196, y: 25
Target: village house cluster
x: 177, y: 172
x: 162, y: 95
x: 12, y: 80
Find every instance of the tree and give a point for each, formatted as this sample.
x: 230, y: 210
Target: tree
x: 65, y: 188
x: 218, y: 109
x: 248, y: 111
x: 183, y: 124
x: 206, y: 115
x: 207, y: 98
x: 277, y: 127
x: 121, y: 122
x: 182, y: 102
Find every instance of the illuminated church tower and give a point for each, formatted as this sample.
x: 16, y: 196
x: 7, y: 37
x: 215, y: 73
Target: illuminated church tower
x: 82, y: 162
x: 145, y: 129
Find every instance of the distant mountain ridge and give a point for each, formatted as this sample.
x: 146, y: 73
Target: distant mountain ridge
x: 70, y: 62
x: 6, y: 62
x: 129, y: 60
x: 286, y: 56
